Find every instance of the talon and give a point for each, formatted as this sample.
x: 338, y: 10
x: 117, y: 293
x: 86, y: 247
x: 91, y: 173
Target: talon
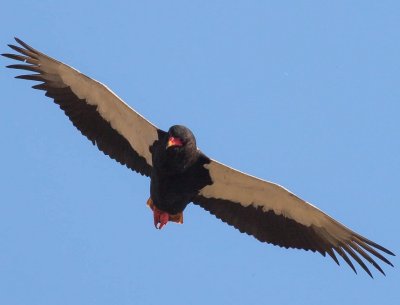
x: 156, y: 222
x: 161, y: 218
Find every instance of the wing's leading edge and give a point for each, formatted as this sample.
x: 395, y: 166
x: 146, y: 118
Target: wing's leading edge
x: 100, y: 115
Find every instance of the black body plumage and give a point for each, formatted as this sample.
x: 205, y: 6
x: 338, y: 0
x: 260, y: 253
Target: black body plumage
x: 178, y: 172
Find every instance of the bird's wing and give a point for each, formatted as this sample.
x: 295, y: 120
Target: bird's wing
x: 272, y: 214
x: 117, y: 130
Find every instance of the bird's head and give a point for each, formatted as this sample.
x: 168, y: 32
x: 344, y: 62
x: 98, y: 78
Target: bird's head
x: 180, y: 147
x: 180, y: 138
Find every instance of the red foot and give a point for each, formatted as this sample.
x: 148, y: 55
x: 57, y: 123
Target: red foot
x: 160, y: 218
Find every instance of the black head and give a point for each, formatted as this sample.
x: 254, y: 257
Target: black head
x: 180, y: 137
x: 180, y: 149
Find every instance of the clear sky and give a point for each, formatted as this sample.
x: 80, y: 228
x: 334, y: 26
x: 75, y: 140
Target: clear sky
x: 302, y: 93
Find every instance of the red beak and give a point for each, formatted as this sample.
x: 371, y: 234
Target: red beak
x: 174, y: 142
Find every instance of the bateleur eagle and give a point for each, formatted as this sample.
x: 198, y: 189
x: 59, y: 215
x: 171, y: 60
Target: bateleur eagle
x: 180, y: 173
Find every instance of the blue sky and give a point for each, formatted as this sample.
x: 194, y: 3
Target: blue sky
x: 302, y: 93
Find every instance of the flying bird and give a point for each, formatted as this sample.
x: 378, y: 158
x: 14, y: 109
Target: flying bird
x: 180, y: 173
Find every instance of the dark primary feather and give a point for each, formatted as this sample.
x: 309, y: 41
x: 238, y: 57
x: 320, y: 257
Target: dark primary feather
x: 285, y: 232
x: 21, y: 58
x: 84, y: 116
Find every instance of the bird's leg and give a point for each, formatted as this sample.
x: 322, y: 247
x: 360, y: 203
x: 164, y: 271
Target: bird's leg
x: 161, y: 218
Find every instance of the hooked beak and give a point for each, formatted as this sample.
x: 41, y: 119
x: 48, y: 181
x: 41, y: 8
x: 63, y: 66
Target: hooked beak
x: 174, y: 142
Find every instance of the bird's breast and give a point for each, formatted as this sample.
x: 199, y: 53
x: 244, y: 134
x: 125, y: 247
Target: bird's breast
x: 173, y: 191
x: 170, y: 193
